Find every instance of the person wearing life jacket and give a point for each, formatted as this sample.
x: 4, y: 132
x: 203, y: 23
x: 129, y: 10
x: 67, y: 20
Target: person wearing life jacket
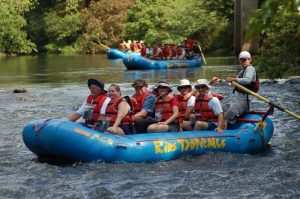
x: 186, y: 103
x: 95, y: 104
x: 208, y: 109
x: 166, y: 110
x: 145, y: 105
x: 174, y: 51
x: 145, y: 51
x: 167, y: 52
x: 157, y: 52
x: 247, y: 77
x: 141, y: 92
x: 119, y: 110
x: 181, y: 53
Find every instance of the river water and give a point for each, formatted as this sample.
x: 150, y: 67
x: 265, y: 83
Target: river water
x: 56, y: 86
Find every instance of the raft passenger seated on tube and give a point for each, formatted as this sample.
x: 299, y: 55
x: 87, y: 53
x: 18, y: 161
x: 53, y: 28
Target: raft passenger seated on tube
x: 120, y: 111
x: 166, y: 110
x: 94, y: 106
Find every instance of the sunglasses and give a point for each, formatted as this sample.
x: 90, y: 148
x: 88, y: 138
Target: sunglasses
x: 243, y: 59
x: 162, y: 87
x: 200, y: 87
x: 184, y: 87
x: 135, y: 85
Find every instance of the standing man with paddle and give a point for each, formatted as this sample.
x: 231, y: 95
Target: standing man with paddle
x: 248, y: 78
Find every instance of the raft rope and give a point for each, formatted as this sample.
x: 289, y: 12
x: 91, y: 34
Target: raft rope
x: 37, y: 128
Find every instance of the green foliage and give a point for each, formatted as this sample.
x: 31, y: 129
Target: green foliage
x: 279, y: 36
x: 104, y: 21
x: 172, y: 21
x: 13, y: 39
x: 61, y: 31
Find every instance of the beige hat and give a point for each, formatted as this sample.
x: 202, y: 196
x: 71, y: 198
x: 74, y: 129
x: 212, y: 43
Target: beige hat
x: 163, y: 84
x: 202, y: 82
x: 184, y: 82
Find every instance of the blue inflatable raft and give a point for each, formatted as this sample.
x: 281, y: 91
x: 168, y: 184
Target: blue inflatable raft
x: 141, y: 63
x: 57, y: 139
x: 113, y: 53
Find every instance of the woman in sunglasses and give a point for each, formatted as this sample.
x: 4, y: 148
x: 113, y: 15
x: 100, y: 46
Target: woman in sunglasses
x: 186, y: 103
x: 166, y: 110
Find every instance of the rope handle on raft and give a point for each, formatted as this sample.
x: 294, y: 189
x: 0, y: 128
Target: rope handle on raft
x: 38, y: 129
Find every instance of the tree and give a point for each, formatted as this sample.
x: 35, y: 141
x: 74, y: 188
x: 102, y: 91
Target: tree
x: 277, y: 26
x: 172, y: 21
x: 104, y: 21
x: 13, y: 38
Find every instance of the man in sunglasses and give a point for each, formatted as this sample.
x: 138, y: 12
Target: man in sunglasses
x: 247, y: 77
x: 208, y: 109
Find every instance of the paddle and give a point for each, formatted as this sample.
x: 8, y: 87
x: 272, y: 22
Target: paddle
x: 104, y: 46
x: 202, y: 55
x: 96, y: 41
x: 265, y: 99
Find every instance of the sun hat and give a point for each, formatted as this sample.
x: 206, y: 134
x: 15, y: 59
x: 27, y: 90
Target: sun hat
x: 162, y: 84
x: 202, y: 82
x: 184, y: 82
x: 139, y: 82
x: 244, y: 55
x: 97, y: 83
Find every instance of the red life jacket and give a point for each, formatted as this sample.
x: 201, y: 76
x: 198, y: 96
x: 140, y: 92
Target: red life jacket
x: 182, y: 106
x: 144, y: 51
x: 140, y: 99
x: 166, y: 106
x: 174, y: 52
x: 97, y: 102
x: 202, y: 108
x: 112, y: 111
x: 167, y: 52
x: 160, y: 55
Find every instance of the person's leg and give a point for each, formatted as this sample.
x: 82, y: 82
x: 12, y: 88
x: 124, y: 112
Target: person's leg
x: 200, y: 126
x: 236, y: 109
x: 186, y: 126
x: 156, y: 128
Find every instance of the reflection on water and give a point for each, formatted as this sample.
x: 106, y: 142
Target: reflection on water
x: 54, y: 69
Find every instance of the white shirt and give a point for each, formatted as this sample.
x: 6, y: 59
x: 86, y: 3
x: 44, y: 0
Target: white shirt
x: 191, y: 101
x: 85, y: 106
x: 215, y: 105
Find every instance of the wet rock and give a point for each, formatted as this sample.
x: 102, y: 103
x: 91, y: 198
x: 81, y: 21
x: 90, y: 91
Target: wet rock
x: 20, y: 90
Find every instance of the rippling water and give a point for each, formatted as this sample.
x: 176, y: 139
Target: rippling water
x: 274, y: 173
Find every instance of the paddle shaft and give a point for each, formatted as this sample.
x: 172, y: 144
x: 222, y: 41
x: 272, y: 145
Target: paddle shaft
x: 101, y: 44
x: 202, y: 55
x: 265, y: 99
x: 104, y: 46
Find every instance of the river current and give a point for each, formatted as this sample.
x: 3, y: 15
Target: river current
x: 56, y: 86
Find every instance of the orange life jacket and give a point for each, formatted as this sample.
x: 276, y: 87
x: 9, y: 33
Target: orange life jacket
x: 202, y: 108
x: 182, y: 106
x: 165, y: 105
x: 140, y: 99
x: 97, y: 103
x: 112, y: 111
